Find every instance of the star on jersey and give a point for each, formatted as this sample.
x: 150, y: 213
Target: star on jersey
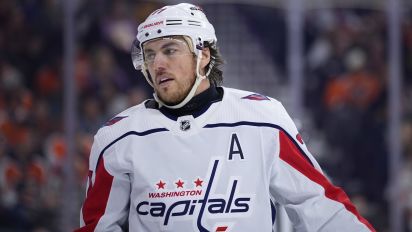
x: 181, y: 204
x: 161, y: 185
x: 198, y: 182
x: 179, y: 184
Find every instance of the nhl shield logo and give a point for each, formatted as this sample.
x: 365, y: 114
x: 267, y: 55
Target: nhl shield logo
x: 185, y: 125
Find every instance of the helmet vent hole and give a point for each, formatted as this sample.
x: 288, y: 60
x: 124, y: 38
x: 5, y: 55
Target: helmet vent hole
x: 159, y: 31
x: 192, y: 13
x: 194, y: 23
x: 170, y: 22
x: 147, y: 34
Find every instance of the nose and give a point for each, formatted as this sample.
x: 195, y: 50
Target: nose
x: 160, y: 61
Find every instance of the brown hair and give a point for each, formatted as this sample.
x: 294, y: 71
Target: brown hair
x: 216, y: 74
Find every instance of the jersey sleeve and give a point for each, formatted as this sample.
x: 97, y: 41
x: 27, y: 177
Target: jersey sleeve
x: 311, y: 201
x: 106, y: 205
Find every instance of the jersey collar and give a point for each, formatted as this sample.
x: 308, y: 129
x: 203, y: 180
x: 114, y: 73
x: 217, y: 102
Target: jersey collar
x: 197, y: 105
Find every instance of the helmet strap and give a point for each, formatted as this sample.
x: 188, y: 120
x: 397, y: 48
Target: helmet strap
x: 146, y: 75
x: 191, y: 94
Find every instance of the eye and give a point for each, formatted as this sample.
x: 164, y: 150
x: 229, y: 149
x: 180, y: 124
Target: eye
x: 170, y: 51
x: 149, y: 56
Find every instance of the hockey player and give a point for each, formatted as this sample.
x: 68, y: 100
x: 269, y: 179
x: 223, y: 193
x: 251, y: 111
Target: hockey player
x: 201, y: 157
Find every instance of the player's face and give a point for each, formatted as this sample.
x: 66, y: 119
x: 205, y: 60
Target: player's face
x: 172, y: 67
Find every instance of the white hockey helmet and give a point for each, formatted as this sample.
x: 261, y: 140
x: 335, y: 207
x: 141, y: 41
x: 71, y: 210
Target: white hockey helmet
x: 182, y: 19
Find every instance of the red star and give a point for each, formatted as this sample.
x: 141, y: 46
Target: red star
x: 180, y: 184
x: 161, y: 185
x: 198, y: 182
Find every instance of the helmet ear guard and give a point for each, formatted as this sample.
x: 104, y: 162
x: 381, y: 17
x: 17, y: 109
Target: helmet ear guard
x: 137, y: 55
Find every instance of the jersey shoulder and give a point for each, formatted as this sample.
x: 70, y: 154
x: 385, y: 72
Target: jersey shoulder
x: 256, y: 109
x: 131, y: 119
x: 254, y: 106
x: 246, y: 95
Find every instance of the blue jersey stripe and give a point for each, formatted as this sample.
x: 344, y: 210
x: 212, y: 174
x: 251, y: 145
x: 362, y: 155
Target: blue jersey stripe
x: 273, y: 211
x: 144, y: 133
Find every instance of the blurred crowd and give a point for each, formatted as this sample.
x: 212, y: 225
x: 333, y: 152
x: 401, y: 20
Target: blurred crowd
x: 346, y: 94
x: 32, y: 144
x: 346, y: 90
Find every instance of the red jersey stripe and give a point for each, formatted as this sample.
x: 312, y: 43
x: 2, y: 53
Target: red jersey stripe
x: 221, y: 229
x: 291, y: 155
x: 97, y: 197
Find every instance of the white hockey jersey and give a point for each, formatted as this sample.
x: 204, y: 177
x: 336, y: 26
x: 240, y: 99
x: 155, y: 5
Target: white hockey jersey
x: 221, y: 171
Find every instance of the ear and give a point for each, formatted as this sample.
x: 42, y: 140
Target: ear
x: 205, y: 59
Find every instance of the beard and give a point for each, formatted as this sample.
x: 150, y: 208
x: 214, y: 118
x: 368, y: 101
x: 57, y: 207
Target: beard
x: 175, y: 93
